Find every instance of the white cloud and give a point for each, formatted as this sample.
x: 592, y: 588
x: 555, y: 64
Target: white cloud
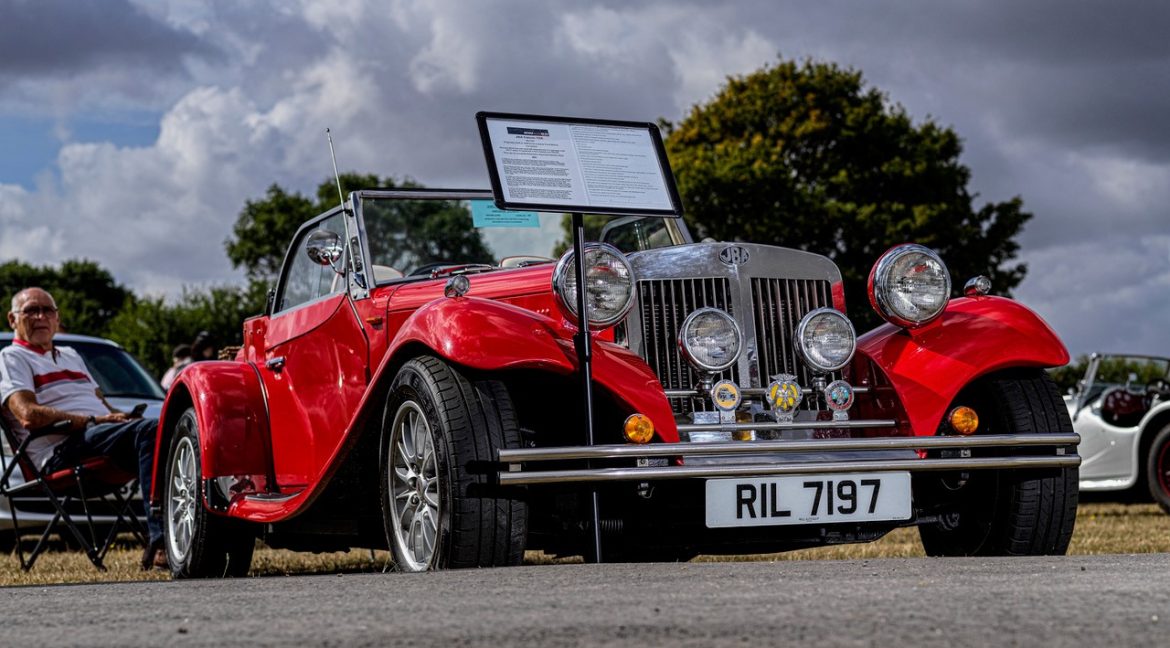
x: 702, y: 53
x: 1133, y: 184
x: 1076, y: 131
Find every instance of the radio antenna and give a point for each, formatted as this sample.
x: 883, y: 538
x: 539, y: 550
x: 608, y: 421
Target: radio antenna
x: 336, y: 176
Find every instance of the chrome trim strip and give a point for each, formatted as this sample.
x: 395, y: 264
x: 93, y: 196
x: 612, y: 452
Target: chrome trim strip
x: 795, y: 425
x: 618, y: 451
x: 761, y: 470
x: 272, y: 497
x: 746, y: 391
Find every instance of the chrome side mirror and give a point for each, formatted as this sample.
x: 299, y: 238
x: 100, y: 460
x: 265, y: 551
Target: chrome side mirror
x: 324, y: 248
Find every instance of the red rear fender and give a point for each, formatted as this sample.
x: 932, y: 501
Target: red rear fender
x: 928, y: 367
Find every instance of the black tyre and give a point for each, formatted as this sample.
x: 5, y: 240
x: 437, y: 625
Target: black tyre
x: 441, y: 506
x: 1004, y: 512
x: 1158, y: 468
x: 199, y: 544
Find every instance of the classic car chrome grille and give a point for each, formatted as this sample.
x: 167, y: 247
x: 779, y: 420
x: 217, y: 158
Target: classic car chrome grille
x: 778, y: 305
x: 664, y: 304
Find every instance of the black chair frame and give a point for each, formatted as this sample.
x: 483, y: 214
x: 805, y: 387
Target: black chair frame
x: 82, y: 485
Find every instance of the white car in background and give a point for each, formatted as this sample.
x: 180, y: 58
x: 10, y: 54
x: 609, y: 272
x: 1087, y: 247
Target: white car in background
x: 125, y: 384
x: 1121, y: 409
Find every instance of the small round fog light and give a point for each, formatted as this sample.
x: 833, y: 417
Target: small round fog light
x: 963, y: 420
x: 638, y: 429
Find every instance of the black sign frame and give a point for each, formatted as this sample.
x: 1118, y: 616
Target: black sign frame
x: 651, y: 128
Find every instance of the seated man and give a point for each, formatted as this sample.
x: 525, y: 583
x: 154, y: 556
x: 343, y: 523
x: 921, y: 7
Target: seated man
x: 41, y: 384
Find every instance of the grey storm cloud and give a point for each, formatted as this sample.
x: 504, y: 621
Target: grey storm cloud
x: 65, y: 37
x: 1061, y: 103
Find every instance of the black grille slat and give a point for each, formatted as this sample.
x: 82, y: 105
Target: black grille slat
x: 664, y: 305
x: 788, y: 300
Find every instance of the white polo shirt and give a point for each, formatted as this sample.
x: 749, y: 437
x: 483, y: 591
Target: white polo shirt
x: 58, y: 379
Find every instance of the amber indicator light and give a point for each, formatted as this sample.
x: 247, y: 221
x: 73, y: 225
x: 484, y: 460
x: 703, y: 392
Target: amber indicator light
x: 638, y: 429
x: 964, y: 420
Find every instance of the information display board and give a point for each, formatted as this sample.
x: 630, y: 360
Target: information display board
x: 589, y: 166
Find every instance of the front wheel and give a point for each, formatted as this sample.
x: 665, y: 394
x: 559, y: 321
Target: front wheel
x: 441, y: 506
x: 1158, y: 468
x: 199, y: 543
x: 1004, y: 512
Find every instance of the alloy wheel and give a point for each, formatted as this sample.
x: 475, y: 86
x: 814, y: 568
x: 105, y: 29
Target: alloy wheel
x: 413, y: 488
x: 182, y: 493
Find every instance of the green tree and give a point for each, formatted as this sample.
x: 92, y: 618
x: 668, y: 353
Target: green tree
x: 265, y: 227
x: 807, y: 156
x: 86, y: 293
x: 263, y: 230
x: 434, y: 231
x: 1066, y: 377
x: 150, y: 327
x: 409, y: 235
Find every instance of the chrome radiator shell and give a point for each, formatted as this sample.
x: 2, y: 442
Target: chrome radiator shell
x: 766, y: 289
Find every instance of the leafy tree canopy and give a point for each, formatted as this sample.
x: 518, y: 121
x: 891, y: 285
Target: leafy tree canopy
x: 806, y: 156
x: 85, y: 292
x: 265, y: 227
x: 149, y: 327
x: 404, y: 235
x: 409, y: 235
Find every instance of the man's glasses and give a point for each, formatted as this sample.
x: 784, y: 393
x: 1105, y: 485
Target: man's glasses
x: 38, y: 311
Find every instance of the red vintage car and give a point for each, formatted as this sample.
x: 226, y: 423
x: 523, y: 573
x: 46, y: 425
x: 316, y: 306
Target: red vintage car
x: 414, y: 385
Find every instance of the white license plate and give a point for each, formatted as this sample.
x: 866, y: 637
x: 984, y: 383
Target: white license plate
x: 808, y: 499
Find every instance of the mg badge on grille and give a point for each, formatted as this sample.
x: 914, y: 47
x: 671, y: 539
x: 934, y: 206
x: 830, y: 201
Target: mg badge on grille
x: 734, y: 255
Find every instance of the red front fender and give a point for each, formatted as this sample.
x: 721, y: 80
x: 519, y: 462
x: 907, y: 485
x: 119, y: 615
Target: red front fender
x: 928, y: 367
x: 490, y: 335
x: 229, y: 405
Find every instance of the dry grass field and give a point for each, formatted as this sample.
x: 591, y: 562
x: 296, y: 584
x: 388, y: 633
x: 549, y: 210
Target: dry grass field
x: 1102, y: 528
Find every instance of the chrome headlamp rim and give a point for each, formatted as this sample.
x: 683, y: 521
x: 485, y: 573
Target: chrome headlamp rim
x: 878, y: 284
x: 567, y: 264
x: 806, y: 321
x: 689, y: 356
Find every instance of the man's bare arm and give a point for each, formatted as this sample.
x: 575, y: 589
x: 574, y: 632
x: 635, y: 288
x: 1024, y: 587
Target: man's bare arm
x: 32, y: 415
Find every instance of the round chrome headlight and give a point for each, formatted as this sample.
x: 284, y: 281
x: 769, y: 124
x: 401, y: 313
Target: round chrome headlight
x: 710, y: 339
x: 825, y: 339
x: 609, y: 285
x: 909, y: 285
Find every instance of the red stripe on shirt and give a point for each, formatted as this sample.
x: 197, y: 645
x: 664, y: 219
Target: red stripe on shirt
x: 64, y: 374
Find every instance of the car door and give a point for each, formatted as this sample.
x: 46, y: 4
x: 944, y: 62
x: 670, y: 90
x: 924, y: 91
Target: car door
x: 1099, y: 445
x: 315, y: 357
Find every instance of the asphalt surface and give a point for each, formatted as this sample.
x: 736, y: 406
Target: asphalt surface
x: 1074, y: 601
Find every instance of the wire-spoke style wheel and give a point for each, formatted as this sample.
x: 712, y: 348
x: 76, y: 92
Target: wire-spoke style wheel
x: 1004, y: 512
x: 199, y: 543
x: 1158, y: 468
x: 441, y: 505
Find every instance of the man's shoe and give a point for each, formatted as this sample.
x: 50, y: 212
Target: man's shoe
x: 155, y: 556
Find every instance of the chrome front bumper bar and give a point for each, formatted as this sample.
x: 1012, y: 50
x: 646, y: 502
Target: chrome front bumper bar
x: 769, y: 458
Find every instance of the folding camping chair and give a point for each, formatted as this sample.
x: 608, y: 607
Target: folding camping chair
x: 93, y: 483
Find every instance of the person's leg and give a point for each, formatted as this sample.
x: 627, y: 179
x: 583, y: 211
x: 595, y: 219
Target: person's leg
x: 130, y: 446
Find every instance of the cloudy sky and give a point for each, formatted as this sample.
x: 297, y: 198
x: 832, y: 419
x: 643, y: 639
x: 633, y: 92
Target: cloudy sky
x: 132, y: 131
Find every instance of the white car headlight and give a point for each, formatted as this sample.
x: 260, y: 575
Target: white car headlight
x: 825, y: 339
x: 909, y: 285
x: 710, y: 339
x: 609, y: 285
